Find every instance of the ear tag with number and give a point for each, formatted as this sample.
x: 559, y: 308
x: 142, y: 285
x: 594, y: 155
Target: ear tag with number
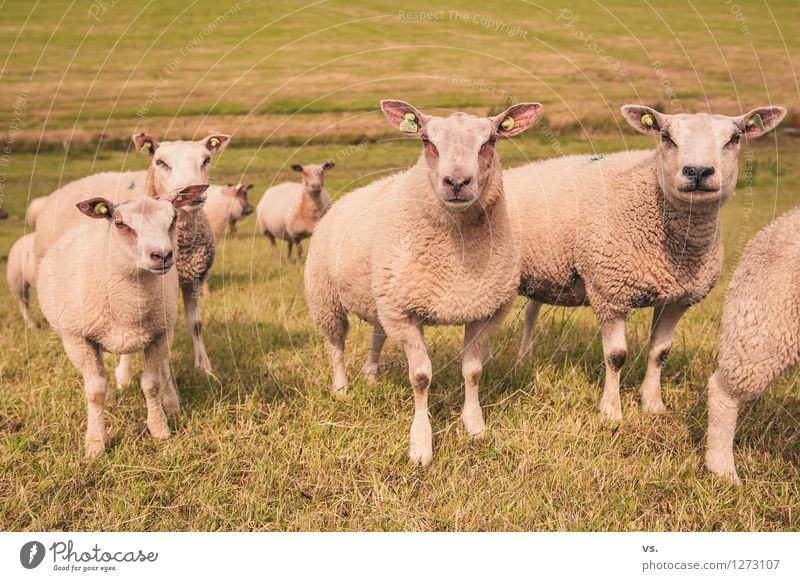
x: 408, y: 124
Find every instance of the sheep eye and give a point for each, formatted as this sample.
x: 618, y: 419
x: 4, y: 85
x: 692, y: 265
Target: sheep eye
x: 667, y: 139
x: 162, y: 163
x: 734, y: 138
x: 425, y: 139
x: 122, y: 226
x: 206, y: 161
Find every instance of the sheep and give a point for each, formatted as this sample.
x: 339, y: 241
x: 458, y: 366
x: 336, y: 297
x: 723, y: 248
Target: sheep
x: 108, y: 285
x: 34, y: 208
x: 21, y: 275
x: 291, y: 211
x: 173, y: 165
x: 433, y: 245
x: 760, y: 333
x: 631, y: 230
x: 226, y: 206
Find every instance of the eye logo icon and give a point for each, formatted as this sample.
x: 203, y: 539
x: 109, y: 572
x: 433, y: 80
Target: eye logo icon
x: 31, y: 554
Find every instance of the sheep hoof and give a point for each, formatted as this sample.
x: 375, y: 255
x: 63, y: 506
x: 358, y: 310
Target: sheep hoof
x: 723, y: 467
x: 421, y: 450
x: 339, y: 390
x: 473, y: 422
x: 655, y: 406
x: 202, y: 364
x: 33, y: 326
x: 159, y: 428
x: 171, y: 405
x: 420, y: 456
x: 611, y: 410
x: 370, y: 375
x: 94, y: 449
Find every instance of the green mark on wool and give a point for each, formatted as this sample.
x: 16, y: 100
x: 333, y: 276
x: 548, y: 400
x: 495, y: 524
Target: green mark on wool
x: 408, y: 124
x: 132, y: 186
x: 596, y: 157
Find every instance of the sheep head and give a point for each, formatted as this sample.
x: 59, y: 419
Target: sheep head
x: 459, y: 150
x: 698, y: 154
x: 313, y: 176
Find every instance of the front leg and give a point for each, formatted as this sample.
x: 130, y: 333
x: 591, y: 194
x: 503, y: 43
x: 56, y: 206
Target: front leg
x: 476, y: 345
x: 86, y: 357
x: 615, y: 351
x: 665, y: 318
x: 299, y: 251
x: 154, y: 382
x: 192, y: 307
x: 233, y: 231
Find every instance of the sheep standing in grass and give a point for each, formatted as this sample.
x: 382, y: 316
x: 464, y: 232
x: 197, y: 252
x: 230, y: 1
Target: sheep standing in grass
x: 21, y: 275
x: 631, y: 230
x: 225, y: 206
x: 291, y: 211
x: 108, y: 285
x: 760, y: 335
x: 433, y: 245
x: 173, y: 166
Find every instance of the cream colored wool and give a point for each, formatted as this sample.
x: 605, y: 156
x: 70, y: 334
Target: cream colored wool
x: 34, y: 208
x: 433, y: 245
x: 760, y: 333
x: 225, y: 206
x: 21, y: 275
x: 630, y: 230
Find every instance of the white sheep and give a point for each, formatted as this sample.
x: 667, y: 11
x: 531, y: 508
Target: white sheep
x: 108, y: 285
x: 433, y: 245
x: 21, y: 275
x: 173, y: 166
x: 34, y: 208
x: 225, y: 206
x: 291, y: 211
x: 631, y: 230
x: 760, y: 334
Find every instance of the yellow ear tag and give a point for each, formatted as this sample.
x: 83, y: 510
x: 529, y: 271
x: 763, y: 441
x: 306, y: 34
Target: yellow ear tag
x: 508, y: 124
x: 755, y: 121
x: 647, y: 120
x: 146, y: 147
x: 100, y: 208
x: 408, y: 124
x: 213, y: 142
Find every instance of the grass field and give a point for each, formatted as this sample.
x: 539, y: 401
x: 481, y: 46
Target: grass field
x: 262, y: 445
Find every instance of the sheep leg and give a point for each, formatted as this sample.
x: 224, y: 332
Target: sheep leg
x: 271, y: 238
x: 299, y: 251
x: 289, y: 246
x: 153, y: 385
x: 410, y: 335
x: 476, y: 343
x: 233, y: 231
x: 370, y: 369
x: 87, y: 359
x: 665, y: 319
x: 192, y: 306
x: 23, y: 298
x: 615, y: 351
x: 123, y: 372
x: 531, y: 313
x: 169, y: 396
x: 723, y: 410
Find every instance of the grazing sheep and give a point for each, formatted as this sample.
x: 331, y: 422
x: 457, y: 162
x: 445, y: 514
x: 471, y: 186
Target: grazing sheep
x: 173, y: 166
x: 34, y: 208
x: 108, y: 285
x: 226, y: 206
x: 631, y: 230
x: 291, y: 211
x: 760, y: 335
x: 21, y: 275
x: 433, y: 245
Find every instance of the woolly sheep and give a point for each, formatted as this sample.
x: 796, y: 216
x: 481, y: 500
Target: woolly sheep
x: 631, y: 230
x: 225, y: 206
x: 291, y: 211
x: 21, y: 275
x: 34, y: 208
x: 108, y: 285
x: 760, y: 334
x: 173, y: 166
x: 433, y: 245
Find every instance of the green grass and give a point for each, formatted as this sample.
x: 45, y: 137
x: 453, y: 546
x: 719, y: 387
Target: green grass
x: 263, y: 445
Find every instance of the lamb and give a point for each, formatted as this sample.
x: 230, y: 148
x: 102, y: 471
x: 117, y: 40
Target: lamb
x: 109, y: 285
x: 34, y: 208
x: 173, y: 166
x: 226, y: 206
x: 631, y: 230
x: 760, y: 335
x: 21, y: 275
x: 433, y: 245
x: 291, y: 211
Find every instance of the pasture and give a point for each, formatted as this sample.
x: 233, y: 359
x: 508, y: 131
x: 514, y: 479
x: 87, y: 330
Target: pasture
x: 261, y: 443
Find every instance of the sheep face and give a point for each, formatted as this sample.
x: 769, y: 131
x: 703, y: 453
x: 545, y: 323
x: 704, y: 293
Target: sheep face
x: 143, y: 229
x: 313, y: 176
x: 698, y: 154
x: 459, y: 151
x: 240, y: 205
x: 177, y: 164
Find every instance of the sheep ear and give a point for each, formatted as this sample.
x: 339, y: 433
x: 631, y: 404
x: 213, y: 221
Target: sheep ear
x: 97, y: 208
x: 760, y: 121
x: 249, y: 187
x: 217, y: 142
x: 405, y: 117
x: 328, y: 165
x: 644, y: 119
x: 145, y: 143
x: 297, y: 167
x: 242, y: 189
x: 191, y: 195
x: 516, y: 119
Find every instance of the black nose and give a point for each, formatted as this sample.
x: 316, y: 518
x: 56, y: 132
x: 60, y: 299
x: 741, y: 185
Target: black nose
x: 163, y: 258
x: 456, y: 185
x: 698, y: 172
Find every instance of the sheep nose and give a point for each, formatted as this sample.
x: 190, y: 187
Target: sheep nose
x: 698, y: 172
x: 456, y: 184
x: 164, y: 257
